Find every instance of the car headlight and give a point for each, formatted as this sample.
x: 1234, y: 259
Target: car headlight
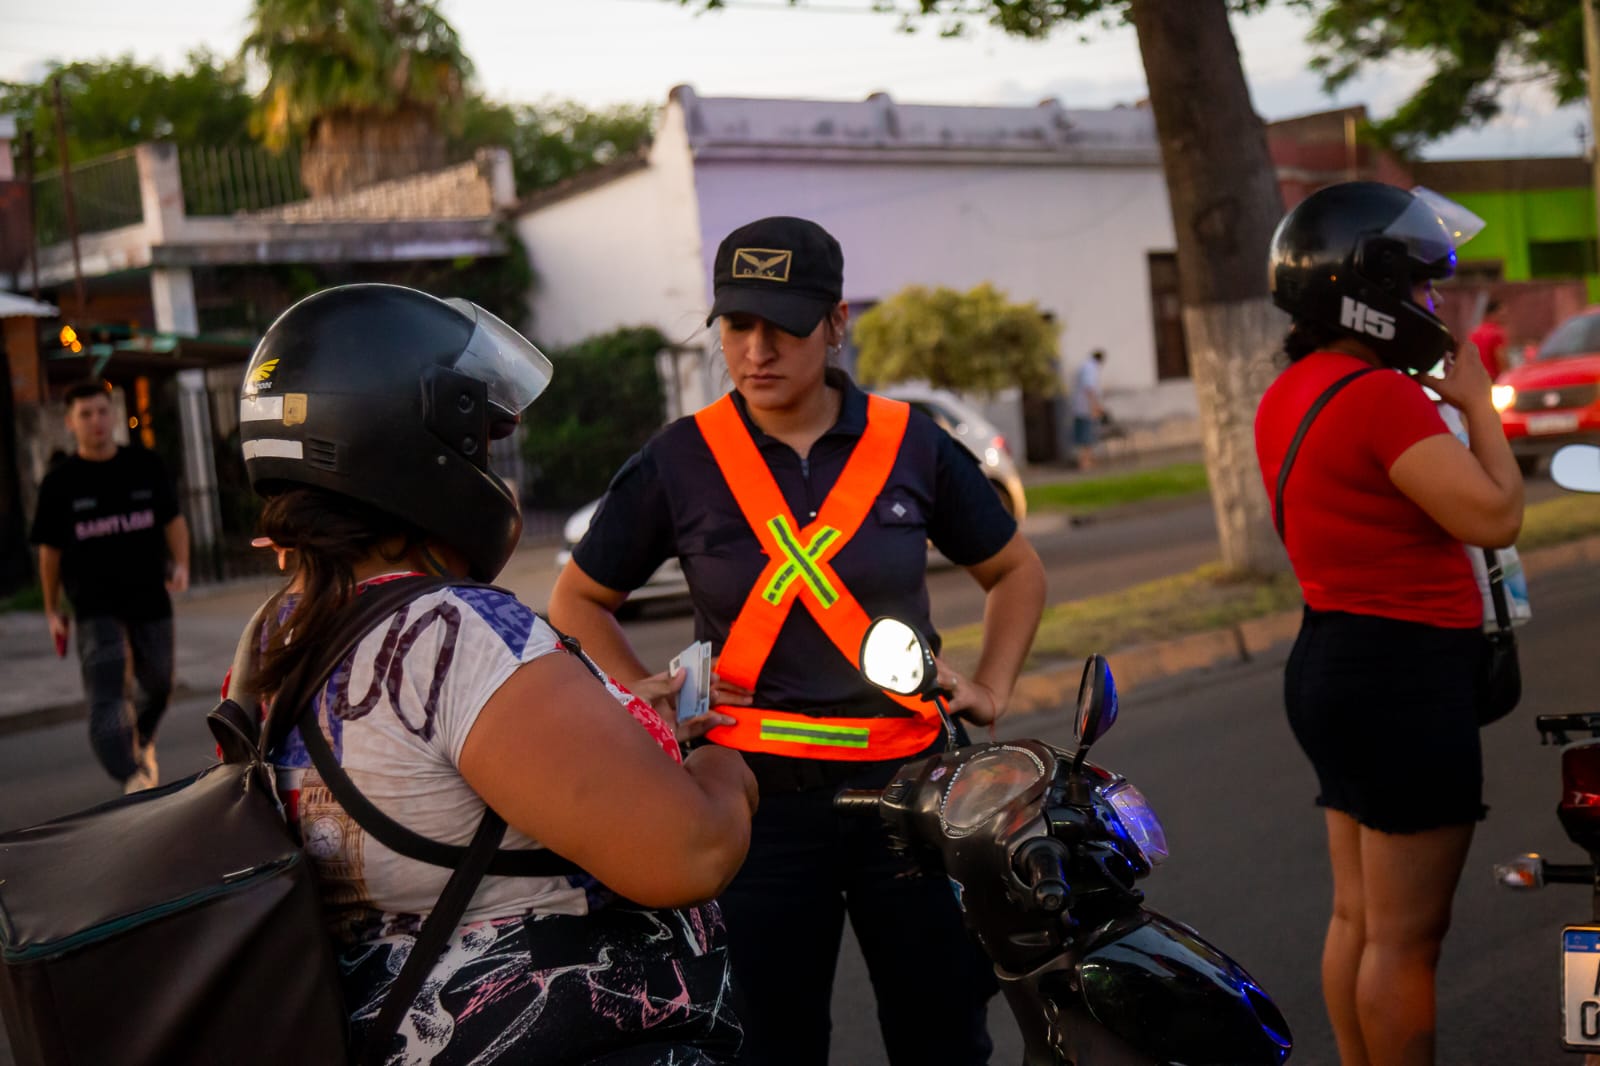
x: 1502, y: 396
x: 1138, y: 820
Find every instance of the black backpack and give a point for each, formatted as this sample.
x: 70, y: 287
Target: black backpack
x: 182, y: 924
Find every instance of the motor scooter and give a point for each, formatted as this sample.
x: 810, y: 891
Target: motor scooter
x: 1043, y: 850
x: 1575, y: 467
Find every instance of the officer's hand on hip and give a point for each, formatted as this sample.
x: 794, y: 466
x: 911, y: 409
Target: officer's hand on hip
x: 969, y: 699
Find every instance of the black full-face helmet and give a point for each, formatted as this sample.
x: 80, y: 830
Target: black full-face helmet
x: 1350, y: 257
x: 391, y: 396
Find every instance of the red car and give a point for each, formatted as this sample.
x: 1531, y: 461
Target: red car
x: 1554, y: 398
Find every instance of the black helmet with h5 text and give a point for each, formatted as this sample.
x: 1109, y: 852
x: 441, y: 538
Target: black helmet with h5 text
x: 1352, y: 256
x: 391, y: 396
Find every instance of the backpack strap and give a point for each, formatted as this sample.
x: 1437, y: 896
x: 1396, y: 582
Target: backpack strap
x: 433, y: 936
x: 1300, y: 434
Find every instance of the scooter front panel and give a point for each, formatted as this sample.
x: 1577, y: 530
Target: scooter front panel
x: 1161, y: 987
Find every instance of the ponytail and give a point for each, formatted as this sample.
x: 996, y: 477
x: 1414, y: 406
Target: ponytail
x: 1305, y: 337
x: 329, y: 535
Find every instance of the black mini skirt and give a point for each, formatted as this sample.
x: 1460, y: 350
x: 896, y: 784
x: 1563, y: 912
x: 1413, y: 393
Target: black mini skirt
x: 1383, y: 708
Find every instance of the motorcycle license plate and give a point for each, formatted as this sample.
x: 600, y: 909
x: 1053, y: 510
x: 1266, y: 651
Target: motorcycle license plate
x: 1580, y: 983
x: 1556, y: 423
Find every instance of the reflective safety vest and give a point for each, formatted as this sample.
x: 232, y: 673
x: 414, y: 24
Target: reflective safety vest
x: 798, y: 570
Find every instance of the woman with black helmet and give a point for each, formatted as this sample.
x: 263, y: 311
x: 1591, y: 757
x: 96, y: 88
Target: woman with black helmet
x: 366, y: 418
x: 1376, y: 506
x: 800, y: 508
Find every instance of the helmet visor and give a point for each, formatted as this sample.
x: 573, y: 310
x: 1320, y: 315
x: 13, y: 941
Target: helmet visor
x: 1433, y: 227
x: 515, y: 371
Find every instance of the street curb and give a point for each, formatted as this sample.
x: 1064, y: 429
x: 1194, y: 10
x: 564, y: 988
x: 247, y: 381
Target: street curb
x: 1242, y: 642
x: 1055, y: 685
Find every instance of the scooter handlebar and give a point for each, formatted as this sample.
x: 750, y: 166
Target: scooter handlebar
x: 857, y: 800
x: 1040, y: 866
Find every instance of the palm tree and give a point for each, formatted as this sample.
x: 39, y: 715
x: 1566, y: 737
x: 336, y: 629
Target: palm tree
x: 366, y: 86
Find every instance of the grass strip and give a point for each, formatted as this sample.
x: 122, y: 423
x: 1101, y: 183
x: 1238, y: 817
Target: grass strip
x: 1209, y: 598
x: 1093, y: 494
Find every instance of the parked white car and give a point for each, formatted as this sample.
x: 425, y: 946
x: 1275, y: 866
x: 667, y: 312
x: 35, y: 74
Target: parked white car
x: 953, y: 414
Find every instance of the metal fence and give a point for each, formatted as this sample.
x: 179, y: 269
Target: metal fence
x: 105, y: 195
x: 225, y: 181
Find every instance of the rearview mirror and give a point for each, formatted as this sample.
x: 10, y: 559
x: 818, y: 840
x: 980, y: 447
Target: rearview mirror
x: 894, y: 657
x: 1097, y: 700
x: 1576, y: 467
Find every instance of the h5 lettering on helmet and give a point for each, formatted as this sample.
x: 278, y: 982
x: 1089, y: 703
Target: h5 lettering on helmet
x: 1353, y: 314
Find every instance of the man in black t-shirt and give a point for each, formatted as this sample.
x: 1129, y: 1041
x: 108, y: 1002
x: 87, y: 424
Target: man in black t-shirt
x: 107, y: 528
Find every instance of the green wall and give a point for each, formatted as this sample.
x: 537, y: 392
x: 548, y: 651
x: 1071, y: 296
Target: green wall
x: 1516, y: 219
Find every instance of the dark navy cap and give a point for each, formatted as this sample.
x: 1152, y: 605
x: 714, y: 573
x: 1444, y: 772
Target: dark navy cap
x: 789, y: 271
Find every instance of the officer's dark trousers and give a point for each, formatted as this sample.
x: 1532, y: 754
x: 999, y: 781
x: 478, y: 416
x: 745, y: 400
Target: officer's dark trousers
x: 106, y: 646
x: 809, y: 867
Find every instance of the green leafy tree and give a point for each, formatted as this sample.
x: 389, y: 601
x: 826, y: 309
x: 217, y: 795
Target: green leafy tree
x: 603, y: 403
x: 369, y: 86
x: 975, y: 341
x: 112, y: 104
x: 552, y: 141
x: 1474, y: 50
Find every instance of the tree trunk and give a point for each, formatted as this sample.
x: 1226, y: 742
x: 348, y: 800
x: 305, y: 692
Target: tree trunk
x: 1225, y: 202
x: 349, y: 150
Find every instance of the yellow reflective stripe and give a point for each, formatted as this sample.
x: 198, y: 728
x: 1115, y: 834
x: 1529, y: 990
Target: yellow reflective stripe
x: 800, y: 563
x: 835, y: 736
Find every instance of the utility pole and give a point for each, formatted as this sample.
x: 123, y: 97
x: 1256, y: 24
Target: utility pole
x: 33, y: 213
x: 66, y: 195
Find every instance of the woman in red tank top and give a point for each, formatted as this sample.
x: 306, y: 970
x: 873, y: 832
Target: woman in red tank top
x: 1379, y: 502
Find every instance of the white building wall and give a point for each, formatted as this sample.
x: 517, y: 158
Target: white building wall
x: 1072, y: 239
x: 626, y: 253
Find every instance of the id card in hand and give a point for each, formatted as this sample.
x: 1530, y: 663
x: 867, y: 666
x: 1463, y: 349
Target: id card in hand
x: 694, y: 698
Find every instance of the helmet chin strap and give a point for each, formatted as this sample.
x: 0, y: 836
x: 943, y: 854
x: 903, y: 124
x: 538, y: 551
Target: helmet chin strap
x: 435, y: 567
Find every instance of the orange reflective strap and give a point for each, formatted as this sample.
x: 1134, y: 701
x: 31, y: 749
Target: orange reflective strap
x: 798, y: 570
x: 837, y: 739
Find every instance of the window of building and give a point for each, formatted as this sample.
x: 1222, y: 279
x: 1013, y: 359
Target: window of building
x: 1561, y: 259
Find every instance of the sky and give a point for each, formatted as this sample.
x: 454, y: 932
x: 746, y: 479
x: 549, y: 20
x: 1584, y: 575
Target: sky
x: 601, y: 52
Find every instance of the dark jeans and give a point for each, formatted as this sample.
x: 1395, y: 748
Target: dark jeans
x: 808, y: 868
x: 105, y: 647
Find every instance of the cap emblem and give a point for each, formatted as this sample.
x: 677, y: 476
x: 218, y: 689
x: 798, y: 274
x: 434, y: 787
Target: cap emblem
x: 767, y: 264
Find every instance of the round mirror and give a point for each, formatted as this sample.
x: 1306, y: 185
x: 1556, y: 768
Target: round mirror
x: 1577, y: 467
x: 894, y: 657
x: 1097, y: 700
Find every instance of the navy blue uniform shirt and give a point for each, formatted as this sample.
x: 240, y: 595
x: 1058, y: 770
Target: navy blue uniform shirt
x: 670, y: 499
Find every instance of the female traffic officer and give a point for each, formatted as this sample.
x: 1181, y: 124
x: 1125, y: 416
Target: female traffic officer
x: 1375, y: 510
x: 800, y: 508
x: 366, y: 420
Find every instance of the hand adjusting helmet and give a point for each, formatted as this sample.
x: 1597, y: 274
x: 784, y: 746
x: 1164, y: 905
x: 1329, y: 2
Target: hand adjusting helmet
x: 391, y: 396
x: 1350, y: 256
